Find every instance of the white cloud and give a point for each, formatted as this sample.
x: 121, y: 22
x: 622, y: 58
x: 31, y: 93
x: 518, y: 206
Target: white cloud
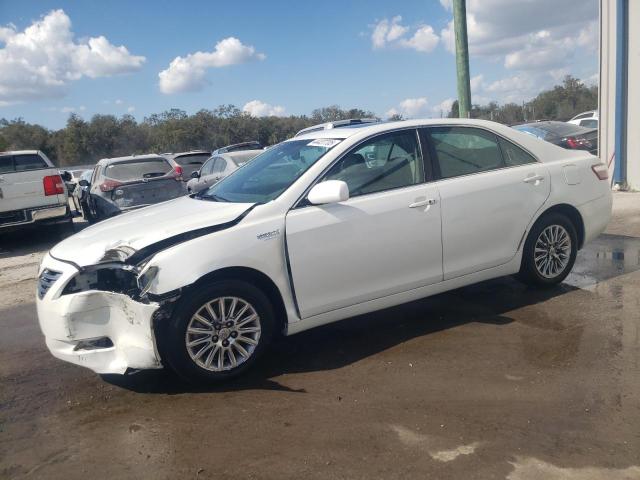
x: 410, y: 108
x: 256, y: 108
x: 81, y: 108
x: 443, y: 108
x: 186, y: 74
x: 131, y: 109
x: 476, y: 82
x: 391, y: 33
x: 41, y: 61
x: 423, y: 40
x: 118, y: 102
x: 537, y: 49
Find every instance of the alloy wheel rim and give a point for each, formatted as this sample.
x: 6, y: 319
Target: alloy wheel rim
x: 223, y: 334
x: 552, y: 251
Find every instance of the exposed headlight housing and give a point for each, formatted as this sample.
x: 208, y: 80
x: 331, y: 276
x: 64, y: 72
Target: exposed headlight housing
x: 146, y: 278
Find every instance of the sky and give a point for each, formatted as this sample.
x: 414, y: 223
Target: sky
x: 281, y: 57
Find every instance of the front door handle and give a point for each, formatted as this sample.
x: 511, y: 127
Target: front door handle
x: 423, y: 203
x: 536, y: 179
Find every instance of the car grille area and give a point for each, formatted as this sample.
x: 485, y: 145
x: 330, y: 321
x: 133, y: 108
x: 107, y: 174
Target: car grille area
x: 47, y: 278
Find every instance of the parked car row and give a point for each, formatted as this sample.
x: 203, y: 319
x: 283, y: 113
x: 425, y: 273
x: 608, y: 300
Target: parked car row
x: 117, y: 185
x: 32, y: 190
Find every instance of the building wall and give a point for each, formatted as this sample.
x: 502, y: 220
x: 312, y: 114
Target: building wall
x: 630, y: 125
x: 607, y: 85
x: 633, y: 97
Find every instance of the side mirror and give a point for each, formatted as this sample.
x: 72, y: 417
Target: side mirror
x: 329, y: 191
x: 195, y: 174
x: 84, y: 183
x: 66, y: 176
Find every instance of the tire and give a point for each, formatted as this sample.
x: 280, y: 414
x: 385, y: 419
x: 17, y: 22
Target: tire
x: 551, y: 233
x: 201, y: 354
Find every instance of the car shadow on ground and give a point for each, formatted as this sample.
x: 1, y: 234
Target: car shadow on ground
x: 343, y: 343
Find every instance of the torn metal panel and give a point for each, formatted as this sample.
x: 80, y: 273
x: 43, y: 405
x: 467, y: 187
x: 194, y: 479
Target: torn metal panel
x: 73, y: 320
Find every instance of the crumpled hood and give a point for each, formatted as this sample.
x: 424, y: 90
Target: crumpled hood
x: 144, y: 227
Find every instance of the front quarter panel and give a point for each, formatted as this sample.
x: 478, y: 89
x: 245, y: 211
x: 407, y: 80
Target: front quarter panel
x: 257, y: 242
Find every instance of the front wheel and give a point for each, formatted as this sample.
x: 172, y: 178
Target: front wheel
x: 550, y: 251
x: 218, y: 331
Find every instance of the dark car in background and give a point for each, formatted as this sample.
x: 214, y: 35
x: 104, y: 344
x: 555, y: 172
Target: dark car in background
x: 126, y: 183
x: 565, y: 135
x: 186, y: 163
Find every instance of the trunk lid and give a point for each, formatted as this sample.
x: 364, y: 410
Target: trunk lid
x: 146, y: 192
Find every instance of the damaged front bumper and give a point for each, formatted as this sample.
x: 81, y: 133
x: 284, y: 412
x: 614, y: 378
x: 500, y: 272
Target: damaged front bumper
x: 105, y: 331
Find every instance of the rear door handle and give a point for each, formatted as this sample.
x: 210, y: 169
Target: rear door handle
x: 534, y: 179
x: 423, y: 203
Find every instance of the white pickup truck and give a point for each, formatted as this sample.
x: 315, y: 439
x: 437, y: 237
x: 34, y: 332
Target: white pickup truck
x: 31, y: 190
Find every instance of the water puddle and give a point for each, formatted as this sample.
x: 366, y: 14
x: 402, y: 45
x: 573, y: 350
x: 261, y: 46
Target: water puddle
x: 606, y: 257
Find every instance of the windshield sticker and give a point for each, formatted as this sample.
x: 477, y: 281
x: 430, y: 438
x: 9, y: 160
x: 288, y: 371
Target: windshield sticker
x: 324, y: 142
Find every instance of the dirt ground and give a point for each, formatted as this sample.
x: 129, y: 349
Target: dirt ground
x: 490, y: 381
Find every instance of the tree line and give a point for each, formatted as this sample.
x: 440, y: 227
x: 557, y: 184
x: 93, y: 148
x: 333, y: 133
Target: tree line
x: 559, y: 103
x: 103, y: 136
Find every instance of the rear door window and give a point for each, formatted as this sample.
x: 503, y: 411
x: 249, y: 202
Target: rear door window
x: 464, y: 151
x: 28, y: 162
x: 191, y: 163
x: 130, y: 170
x: 513, y: 155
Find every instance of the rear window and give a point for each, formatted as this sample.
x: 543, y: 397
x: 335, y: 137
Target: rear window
x: 137, y: 169
x: 186, y: 160
x: 21, y: 163
x: 28, y: 162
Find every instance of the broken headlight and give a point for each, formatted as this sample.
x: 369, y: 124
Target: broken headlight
x: 146, y: 278
x: 112, y: 278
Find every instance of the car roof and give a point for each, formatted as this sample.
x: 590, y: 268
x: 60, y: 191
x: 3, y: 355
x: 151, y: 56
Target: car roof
x: 20, y: 152
x: 182, y: 154
x: 130, y: 157
x: 543, y: 150
x: 347, y: 131
x: 239, y: 156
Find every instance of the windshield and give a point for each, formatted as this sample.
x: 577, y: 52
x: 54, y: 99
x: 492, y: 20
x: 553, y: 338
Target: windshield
x: 270, y: 173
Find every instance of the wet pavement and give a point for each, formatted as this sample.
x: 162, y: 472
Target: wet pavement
x: 496, y: 380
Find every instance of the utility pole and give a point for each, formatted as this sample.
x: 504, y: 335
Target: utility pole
x: 462, y: 57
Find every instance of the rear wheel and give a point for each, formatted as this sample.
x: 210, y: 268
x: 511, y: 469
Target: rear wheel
x: 550, y: 251
x: 217, y: 332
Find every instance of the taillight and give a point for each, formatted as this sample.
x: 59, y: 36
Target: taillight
x: 601, y: 171
x: 578, y: 142
x: 177, y: 172
x: 53, y: 185
x: 109, y: 185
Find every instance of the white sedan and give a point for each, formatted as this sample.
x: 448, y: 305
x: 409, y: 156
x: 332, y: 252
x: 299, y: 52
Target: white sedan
x: 335, y: 222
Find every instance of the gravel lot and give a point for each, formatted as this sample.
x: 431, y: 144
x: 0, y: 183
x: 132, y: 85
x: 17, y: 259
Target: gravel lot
x: 490, y: 381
